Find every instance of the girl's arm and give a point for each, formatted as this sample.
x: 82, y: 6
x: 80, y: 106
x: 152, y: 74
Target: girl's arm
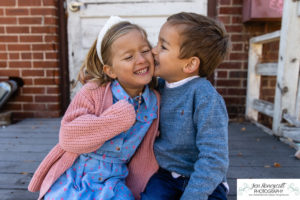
x: 82, y: 131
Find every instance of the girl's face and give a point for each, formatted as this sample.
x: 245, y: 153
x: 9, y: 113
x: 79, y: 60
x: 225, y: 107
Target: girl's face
x: 132, y: 62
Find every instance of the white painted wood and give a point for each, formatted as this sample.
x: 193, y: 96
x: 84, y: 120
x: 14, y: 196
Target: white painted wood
x: 291, y: 120
x: 264, y: 107
x: 269, y: 37
x: 253, y: 85
x: 288, y: 64
x: 291, y: 132
x: 85, y: 24
x: 297, y: 112
x: 266, y: 69
x: 298, y: 6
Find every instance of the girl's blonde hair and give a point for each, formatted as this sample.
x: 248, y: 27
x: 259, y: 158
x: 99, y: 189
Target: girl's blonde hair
x: 92, y: 68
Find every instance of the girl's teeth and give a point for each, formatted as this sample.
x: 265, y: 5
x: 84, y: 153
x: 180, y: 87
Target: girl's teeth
x: 142, y: 71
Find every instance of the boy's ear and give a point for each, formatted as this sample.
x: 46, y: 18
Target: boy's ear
x: 192, y: 65
x: 108, y: 70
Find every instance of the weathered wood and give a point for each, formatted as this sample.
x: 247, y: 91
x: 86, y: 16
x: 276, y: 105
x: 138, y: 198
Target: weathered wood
x: 20, y: 194
x: 5, y: 118
x: 269, y: 37
x: 288, y: 64
x: 291, y: 120
x: 264, y: 107
x: 253, y: 85
x: 291, y: 132
x: 266, y: 69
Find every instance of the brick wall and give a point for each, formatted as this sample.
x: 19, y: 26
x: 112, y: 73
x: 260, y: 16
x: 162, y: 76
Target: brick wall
x: 231, y: 76
x: 29, y: 49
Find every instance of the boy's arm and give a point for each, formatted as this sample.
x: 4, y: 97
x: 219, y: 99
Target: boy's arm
x: 82, y: 131
x: 212, y: 141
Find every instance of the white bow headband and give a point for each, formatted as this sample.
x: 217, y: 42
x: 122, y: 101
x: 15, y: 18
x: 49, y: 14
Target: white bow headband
x: 113, y: 20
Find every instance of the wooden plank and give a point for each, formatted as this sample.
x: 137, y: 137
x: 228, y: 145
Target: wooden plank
x: 266, y: 69
x: 264, y: 107
x: 20, y: 194
x: 288, y: 64
x: 25, y: 147
x: 22, y: 156
x: 29, y: 141
x: 15, y: 181
x: 16, y: 167
x: 253, y: 81
x: 291, y: 132
x: 291, y: 120
x: 269, y: 37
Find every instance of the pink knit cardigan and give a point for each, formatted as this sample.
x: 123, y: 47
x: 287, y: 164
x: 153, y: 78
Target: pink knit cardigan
x: 90, y: 120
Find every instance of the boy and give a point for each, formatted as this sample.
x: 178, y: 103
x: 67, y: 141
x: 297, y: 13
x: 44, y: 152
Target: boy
x: 192, y: 149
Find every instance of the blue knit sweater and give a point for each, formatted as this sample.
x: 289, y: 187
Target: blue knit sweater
x: 193, y: 137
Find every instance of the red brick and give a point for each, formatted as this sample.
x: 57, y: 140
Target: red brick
x: 44, y: 29
x: 3, y: 56
x: 231, y: 65
x: 221, y: 74
x: 1, y: 29
x: 237, y: 2
x: 26, y: 56
x: 234, y: 28
x: 17, y: 29
x: 33, y: 90
x: 238, y: 74
x: 34, y: 107
x: 45, y: 81
x: 52, y: 73
x: 28, y: 81
x: 235, y: 100
x: 14, y: 56
x: 1, y: 11
x: 43, y: 11
x: 2, y: 47
x: 52, y: 90
x: 38, y: 56
x: 8, y: 3
x: 8, y: 20
x: 51, y: 38
x: 20, y: 64
x: 31, y: 38
x: 238, y: 56
x: 51, y: 55
x: 50, y: 2
x: 8, y: 38
x: 13, y: 106
x: 236, y: 20
x: 51, y: 20
x: 236, y: 91
x: 231, y: 10
x: 3, y: 64
x: 228, y: 83
x: 28, y: 3
x: 10, y: 72
x: 16, y: 11
x: 44, y: 47
x: 224, y: 19
x: 46, y: 98
x: 23, y: 98
x: 237, y: 38
x: 33, y: 72
x: 225, y: 2
x: 45, y: 64
x: 30, y: 20
x: 18, y: 47
x: 54, y: 107
x: 237, y: 46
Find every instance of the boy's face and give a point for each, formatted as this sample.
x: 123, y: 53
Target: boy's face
x: 167, y: 64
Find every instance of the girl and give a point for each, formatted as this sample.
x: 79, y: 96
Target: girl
x: 106, y: 122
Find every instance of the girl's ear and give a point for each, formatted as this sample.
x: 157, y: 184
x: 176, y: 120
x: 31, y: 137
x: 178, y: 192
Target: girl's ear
x: 192, y: 65
x: 108, y: 70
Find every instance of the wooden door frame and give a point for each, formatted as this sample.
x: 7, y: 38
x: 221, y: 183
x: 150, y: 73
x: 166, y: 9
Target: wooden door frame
x: 63, y: 50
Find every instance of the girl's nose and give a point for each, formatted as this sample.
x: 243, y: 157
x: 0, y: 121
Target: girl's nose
x: 140, y: 58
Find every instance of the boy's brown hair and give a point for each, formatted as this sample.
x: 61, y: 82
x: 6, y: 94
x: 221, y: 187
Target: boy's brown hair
x: 203, y: 37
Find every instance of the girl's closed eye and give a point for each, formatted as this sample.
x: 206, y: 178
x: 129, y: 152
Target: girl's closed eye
x: 128, y: 57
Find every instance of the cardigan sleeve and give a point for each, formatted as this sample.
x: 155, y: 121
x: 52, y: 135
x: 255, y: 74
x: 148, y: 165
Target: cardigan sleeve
x: 82, y: 131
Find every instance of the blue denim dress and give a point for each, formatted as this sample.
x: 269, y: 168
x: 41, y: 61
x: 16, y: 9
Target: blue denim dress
x: 101, y: 174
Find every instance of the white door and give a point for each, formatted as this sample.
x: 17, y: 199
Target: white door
x: 86, y: 17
